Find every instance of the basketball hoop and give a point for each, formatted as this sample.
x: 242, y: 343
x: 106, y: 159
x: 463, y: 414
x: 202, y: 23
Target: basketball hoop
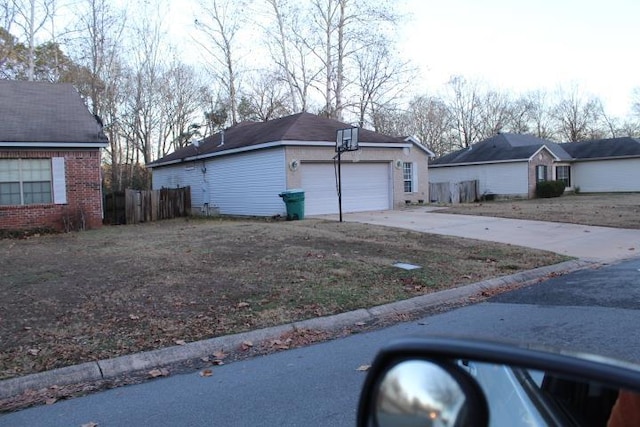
x: 347, y: 140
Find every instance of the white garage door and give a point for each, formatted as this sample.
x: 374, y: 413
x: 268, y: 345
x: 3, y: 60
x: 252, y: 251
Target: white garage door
x: 365, y: 187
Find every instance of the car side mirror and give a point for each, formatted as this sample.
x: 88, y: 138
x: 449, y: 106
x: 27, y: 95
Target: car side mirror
x: 455, y: 382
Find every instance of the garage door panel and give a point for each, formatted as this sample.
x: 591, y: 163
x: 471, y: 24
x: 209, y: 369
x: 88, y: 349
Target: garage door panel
x: 365, y: 186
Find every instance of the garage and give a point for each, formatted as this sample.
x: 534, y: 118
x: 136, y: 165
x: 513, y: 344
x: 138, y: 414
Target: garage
x: 365, y: 187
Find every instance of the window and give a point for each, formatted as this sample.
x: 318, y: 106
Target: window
x: 407, y: 172
x: 563, y: 173
x: 541, y: 173
x: 25, y: 181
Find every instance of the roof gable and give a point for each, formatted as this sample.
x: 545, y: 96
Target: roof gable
x: 301, y: 127
x: 39, y: 113
x: 503, y: 147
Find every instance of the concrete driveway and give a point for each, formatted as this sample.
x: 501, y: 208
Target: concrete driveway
x: 601, y: 244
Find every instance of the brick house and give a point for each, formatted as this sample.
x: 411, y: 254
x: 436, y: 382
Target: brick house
x: 49, y: 158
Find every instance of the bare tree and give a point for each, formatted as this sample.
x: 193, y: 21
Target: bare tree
x: 265, y: 100
x: 430, y: 122
x: 179, y: 107
x: 495, y: 113
x: 575, y: 115
x: 31, y: 17
x: 380, y: 81
x: 464, y: 109
x: 291, y: 52
x: 539, y: 114
x: 220, y: 23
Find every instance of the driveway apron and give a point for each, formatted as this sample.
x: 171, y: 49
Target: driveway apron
x: 601, y: 244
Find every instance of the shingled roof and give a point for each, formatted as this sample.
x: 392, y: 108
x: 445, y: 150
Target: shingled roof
x: 501, y: 148
x: 505, y: 147
x: 603, y: 148
x: 301, y: 127
x: 45, y: 114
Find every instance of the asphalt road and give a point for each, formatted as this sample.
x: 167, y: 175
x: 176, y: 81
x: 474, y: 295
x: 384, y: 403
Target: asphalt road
x: 596, y: 311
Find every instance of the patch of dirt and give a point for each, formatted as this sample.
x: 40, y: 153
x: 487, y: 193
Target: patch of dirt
x: 78, y: 297
x: 608, y: 210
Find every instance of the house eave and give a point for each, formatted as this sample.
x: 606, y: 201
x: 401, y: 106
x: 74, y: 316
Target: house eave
x: 592, y: 159
x: 39, y: 145
x: 273, y: 145
x: 479, y: 163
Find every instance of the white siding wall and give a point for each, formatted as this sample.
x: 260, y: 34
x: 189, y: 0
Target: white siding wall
x: 241, y: 184
x: 249, y: 183
x: 606, y: 175
x: 182, y: 175
x: 499, y: 178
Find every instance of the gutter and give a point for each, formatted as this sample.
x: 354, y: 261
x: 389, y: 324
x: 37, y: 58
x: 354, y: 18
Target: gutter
x: 37, y: 145
x: 272, y: 145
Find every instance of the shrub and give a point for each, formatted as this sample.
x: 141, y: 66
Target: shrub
x: 546, y: 189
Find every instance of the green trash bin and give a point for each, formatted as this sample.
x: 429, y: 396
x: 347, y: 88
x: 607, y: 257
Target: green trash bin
x: 294, y: 200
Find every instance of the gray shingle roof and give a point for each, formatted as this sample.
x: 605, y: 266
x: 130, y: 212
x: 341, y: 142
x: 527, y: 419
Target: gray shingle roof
x: 603, y: 148
x: 513, y: 147
x: 297, y: 127
x: 39, y: 112
x: 501, y: 147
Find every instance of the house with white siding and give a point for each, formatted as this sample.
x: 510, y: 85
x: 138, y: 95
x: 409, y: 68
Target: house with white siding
x: 243, y: 169
x: 510, y: 165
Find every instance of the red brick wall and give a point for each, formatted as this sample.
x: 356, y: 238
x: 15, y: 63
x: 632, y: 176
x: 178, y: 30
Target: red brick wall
x: 84, y: 194
x: 542, y: 158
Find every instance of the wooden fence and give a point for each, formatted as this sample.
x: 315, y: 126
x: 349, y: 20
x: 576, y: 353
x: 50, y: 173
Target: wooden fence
x: 134, y: 206
x: 454, y: 192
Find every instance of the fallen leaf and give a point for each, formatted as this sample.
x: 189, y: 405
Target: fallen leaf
x: 134, y: 317
x: 180, y: 342
x: 219, y: 354
x: 218, y: 362
x: 33, y: 351
x: 246, y: 345
x: 154, y: 373
x: 363, y: 368
x: 243, y: 304
x: 204, y: 359
x: 50, y: 401
x: 206, y: 373
x: 280, y: 345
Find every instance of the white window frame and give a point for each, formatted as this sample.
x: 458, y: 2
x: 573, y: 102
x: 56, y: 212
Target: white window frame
x: 412, y: 181
x: 56, y: 180
x: 568, y: 177
x: 540, y: 168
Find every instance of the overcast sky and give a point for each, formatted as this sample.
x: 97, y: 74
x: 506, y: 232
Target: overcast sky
x: 514, y: 45
x: 535, y: 44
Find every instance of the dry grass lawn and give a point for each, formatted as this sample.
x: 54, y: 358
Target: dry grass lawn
x: 608, y: 210
x: 77, y: 297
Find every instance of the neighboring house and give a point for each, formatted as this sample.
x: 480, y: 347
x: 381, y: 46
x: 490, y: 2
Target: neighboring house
x: 510, y: 165
x: 606, y: 165
x: 242, y: 170
x: 49, y: 158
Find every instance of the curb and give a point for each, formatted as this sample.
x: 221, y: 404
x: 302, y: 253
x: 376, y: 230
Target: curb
x: 123, y: 365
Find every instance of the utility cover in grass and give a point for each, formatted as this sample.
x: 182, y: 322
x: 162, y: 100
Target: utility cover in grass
x: 405, y: 266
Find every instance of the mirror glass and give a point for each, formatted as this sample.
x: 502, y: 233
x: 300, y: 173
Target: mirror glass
x: 419, y: 393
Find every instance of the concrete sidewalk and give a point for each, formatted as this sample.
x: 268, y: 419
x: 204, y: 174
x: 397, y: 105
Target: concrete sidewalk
x: 599, y: 244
